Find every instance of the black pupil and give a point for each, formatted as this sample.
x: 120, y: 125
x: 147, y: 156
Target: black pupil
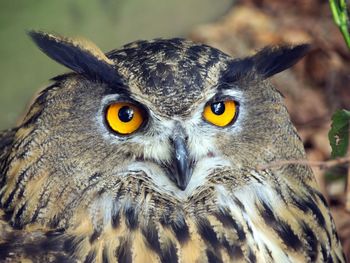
x: 125, y: 114
x: 218, y: 108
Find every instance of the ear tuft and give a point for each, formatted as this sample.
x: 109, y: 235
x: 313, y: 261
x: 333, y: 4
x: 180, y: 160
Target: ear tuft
x: 270, y: 61
x: 238, y: 69
x: 80, y: 55
x: 266, y: 63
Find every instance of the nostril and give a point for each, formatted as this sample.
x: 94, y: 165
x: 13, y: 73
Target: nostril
x: 210, y: 154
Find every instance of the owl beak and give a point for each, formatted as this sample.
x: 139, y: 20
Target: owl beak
x: 181, y: 163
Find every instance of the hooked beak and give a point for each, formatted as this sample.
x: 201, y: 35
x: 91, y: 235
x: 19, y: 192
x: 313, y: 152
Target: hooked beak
x: 181, y: 163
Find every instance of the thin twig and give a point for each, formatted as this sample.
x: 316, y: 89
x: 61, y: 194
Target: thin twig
x: 321, y: 164
x: 340, y: 17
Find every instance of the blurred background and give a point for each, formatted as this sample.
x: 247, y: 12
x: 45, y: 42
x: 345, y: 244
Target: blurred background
x: 313, y: 89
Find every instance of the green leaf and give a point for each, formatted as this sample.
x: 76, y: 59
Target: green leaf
x: 339, y: 133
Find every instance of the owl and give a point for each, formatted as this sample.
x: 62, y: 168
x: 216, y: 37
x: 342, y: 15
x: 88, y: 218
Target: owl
x: 151, y: 153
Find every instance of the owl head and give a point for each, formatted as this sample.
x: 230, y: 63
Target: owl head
x: 160, y: 129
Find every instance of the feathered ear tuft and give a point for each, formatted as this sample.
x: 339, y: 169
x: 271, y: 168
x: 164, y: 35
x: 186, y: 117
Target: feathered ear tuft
x: 271, y: 61
x: 266, y: 63
x: 80, y: 55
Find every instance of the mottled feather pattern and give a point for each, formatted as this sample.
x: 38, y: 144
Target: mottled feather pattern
x: 234, y: 231
x: 71, y: 191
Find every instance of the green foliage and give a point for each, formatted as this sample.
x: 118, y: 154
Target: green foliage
x: 339, y: 133
x: 341, y: 18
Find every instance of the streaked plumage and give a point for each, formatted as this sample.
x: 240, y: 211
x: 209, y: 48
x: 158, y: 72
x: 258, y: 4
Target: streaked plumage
x: 71, y: 190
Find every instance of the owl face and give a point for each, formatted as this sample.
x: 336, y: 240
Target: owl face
x: 150, y: 153
x: 156, y: 129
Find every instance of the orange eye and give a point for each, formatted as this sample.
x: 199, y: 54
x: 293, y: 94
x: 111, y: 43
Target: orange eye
x: 220, y: 113
x: 124, y: 118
